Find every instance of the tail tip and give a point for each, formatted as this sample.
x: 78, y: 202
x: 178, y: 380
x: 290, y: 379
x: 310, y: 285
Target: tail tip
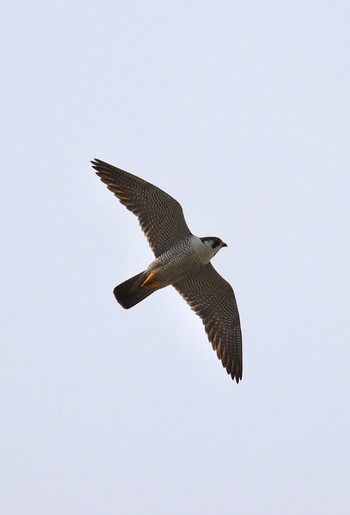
x: 122, y: 298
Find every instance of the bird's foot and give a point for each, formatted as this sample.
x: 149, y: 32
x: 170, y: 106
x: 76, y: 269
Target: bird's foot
x: 150, y: 282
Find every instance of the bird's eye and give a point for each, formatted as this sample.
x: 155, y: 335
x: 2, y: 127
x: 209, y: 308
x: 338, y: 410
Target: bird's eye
x: 215, y: 243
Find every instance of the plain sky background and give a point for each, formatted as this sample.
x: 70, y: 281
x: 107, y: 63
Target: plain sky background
x: 240, y: 110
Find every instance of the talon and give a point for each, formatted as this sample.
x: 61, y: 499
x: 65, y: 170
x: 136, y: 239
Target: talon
x: 149, y: 282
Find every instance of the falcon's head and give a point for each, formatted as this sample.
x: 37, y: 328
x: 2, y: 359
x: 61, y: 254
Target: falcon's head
x: 213, y: 243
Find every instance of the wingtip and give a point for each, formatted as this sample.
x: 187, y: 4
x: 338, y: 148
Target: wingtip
x: 236, y: 374
x: 95, y: 163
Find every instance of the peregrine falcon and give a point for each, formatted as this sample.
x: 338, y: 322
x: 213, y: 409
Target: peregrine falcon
x: 181, y: 260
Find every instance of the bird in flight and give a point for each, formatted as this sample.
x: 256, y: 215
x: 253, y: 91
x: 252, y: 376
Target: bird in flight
x: 181, y: 260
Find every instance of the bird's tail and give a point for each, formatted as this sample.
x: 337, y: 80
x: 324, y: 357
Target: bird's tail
x: 130, y: 292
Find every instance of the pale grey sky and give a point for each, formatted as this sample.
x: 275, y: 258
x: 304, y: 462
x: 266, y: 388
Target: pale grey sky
x: 240, y: 110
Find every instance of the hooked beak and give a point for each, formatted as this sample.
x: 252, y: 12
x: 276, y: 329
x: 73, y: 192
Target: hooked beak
x: 223, y: 244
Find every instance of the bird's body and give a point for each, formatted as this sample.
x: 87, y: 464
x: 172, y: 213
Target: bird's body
x: 181, y: 260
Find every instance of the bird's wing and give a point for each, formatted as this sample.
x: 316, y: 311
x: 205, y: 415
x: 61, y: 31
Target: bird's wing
x: 213, y: 299
x: 160, y: 215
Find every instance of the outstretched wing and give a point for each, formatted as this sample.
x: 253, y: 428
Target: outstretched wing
x: 160, y: 215
x: 213, y: 299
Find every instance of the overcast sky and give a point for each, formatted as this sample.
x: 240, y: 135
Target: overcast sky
x: 240, y: 110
